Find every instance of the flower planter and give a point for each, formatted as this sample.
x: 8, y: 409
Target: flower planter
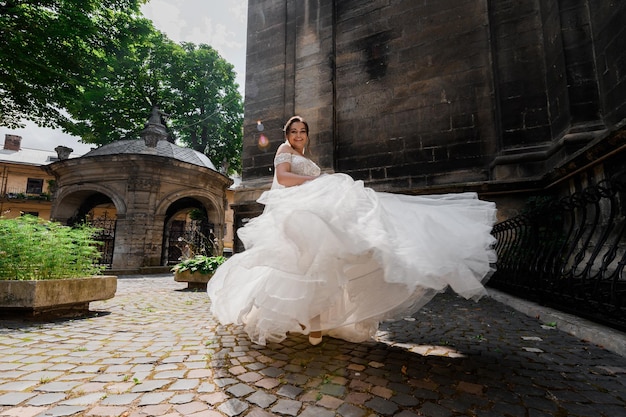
x: 195, y: 281
x: 54, y: 298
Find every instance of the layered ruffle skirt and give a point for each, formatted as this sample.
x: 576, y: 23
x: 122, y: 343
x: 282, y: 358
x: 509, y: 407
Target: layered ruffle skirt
x: 335, y: 256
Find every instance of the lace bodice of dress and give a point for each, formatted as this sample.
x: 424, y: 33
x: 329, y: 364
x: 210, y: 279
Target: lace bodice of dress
x: 299, y: 165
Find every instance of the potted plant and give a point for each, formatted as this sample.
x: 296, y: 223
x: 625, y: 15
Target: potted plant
x: 50, y: 270
x: 197, y: 270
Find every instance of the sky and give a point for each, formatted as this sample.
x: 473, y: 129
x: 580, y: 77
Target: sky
x: 219, y: 23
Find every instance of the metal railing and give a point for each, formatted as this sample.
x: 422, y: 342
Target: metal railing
x: 106, y: 236
x: 24, y: 194
x: 569, y: 253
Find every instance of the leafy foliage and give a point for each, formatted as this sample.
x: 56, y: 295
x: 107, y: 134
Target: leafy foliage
x: 200, y: 263
x: 96, y: 68
x: 192, y: 84
x: 50, y: 49
x: 35, y: 249
x: 207, y: 108
x: 117, y: 100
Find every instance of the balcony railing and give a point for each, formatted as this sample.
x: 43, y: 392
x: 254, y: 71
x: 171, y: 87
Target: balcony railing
x: 569, y: 253
x: 14, y: 193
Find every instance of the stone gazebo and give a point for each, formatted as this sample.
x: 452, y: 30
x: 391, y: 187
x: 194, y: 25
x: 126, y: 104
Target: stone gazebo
x: 147, y: 189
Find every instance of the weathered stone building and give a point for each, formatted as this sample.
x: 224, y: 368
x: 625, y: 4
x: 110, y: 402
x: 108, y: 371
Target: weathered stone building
x: 505, y: 98
x: 139, y: 190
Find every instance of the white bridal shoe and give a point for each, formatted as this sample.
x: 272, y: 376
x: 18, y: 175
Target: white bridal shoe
x: 315, y: 340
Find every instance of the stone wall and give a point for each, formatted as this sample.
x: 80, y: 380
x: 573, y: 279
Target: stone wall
x: 431, y: 96
x: 608, y: 32
x: 397, y: 93
x: 414, y: 96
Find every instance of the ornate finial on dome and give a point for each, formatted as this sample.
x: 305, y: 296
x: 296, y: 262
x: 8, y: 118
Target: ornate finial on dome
x: 155, y: 129
x: 63, y: 152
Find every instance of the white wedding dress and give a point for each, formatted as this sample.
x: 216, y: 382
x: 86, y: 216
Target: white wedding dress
x: 335, y: 256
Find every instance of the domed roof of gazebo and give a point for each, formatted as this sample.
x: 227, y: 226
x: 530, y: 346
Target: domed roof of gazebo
x: 153, y: 142
x: 163, y: 148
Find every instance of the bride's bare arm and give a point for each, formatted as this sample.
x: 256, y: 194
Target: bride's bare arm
x: 285, y: 177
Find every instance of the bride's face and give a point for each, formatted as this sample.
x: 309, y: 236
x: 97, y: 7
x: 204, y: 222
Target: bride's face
x: 297, y: 136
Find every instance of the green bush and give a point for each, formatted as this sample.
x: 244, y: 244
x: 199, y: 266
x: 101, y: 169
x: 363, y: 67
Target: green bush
x: 35, y: 249
x: 200, y: 263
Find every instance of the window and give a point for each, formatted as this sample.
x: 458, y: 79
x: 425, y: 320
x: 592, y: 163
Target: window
x: 34, y: 186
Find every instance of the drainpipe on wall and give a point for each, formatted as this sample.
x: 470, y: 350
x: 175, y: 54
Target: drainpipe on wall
x: 3, y: 189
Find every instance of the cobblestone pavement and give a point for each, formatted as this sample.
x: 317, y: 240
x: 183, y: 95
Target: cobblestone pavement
x: 154, y: 350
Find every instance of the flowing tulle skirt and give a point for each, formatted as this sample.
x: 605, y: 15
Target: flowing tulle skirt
x: 335, y: 256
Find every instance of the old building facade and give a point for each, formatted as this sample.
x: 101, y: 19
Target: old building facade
x: 504, y: 98
x: 25, y: 188
x: 153, y: 200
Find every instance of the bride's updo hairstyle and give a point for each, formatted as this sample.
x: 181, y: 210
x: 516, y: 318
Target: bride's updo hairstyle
x: 292, y: 121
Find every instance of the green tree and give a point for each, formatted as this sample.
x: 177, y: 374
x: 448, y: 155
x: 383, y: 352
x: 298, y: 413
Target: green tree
x: 207, y: 109
x: 49, y: 50
x: 117, y: 100
x: 192, y: 84
x: 96, y: 68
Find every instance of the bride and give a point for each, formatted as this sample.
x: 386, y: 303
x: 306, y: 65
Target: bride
x: 329, y: 256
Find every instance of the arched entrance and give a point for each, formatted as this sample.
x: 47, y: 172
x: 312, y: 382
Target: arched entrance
x: 188, y: 231
x: 104, y: 218
x: 98, y: 210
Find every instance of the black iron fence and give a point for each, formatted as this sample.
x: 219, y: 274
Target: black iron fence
x: 106, y: 236
x: 185, y: 239
x: 569, y: 253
